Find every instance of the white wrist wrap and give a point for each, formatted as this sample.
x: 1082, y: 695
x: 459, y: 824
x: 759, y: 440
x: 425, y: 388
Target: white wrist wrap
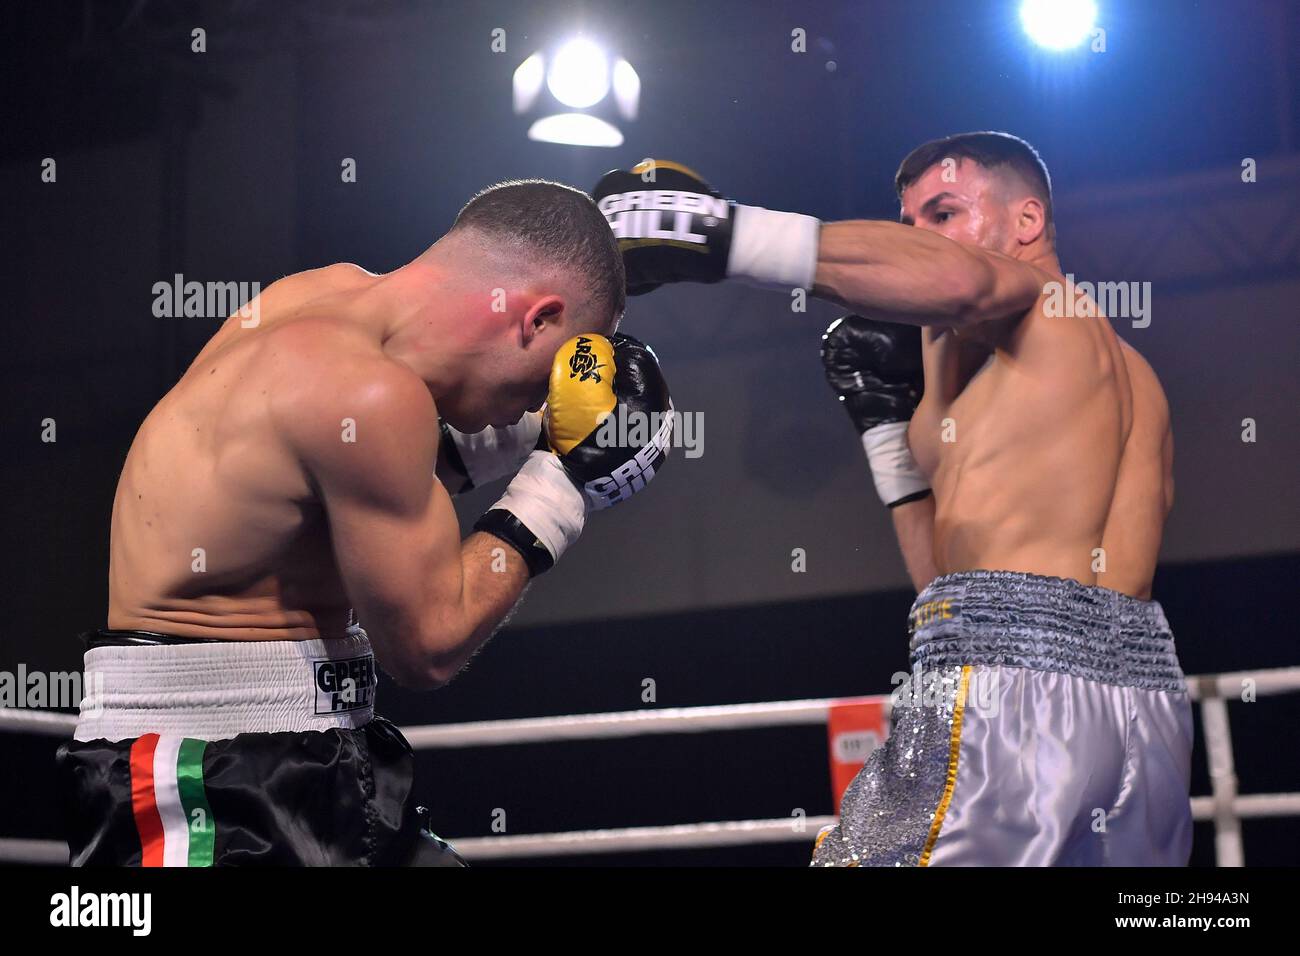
x: 496, y: 452
x: 546, y: 502
x: 893, y: 468
x: 773, y: 248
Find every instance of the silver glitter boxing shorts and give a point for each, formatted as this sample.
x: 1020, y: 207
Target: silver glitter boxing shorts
x: 1044, y: 723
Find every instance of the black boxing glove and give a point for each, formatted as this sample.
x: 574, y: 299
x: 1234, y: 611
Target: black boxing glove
x: 672, y: 226
x: 875, y: 369
x: 590, y: 463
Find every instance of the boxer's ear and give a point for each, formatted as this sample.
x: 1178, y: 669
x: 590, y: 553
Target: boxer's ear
x: 1031, y: 220
x: 546, y: 310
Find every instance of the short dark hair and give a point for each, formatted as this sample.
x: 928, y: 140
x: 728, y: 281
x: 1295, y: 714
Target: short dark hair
x: 991, y: 150
x: 558, y: 224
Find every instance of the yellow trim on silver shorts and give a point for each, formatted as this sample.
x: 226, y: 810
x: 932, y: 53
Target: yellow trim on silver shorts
x: 954, y: 752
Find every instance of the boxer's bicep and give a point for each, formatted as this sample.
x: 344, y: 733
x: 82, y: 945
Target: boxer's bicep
x: 898, y: 273
x: 370, y: 454
x: 398, y: 555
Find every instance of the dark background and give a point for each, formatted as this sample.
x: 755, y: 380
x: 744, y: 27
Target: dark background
x: 225, y: 166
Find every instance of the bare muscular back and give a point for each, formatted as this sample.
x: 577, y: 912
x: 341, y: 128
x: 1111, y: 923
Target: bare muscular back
x: 1049, y: 452
x: 216, y: 531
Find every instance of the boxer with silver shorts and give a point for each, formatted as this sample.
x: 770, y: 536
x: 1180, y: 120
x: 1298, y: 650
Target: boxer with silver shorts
x: 1026, y: 455
x: 1045, y: 723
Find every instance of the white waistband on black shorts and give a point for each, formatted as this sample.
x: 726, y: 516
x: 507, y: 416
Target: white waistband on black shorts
x: 215, y: 690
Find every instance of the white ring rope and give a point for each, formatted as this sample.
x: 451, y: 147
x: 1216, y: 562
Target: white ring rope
x: 39, y: 852
x: 1224, y: 806
x: 1250, y: 806
x: 682, y: 836
x: 627, y: 723
x: 787, y: 713
x: 51, y: 723
x: 634, y: 723
x: 1267, y: 683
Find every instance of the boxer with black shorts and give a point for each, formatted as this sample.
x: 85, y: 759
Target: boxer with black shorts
x: 289, y: 478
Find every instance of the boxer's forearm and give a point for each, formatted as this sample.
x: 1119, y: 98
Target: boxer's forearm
x: 423, y: 646
x: 494, y: 580
x: 914, y: 526
x: 898, y: 273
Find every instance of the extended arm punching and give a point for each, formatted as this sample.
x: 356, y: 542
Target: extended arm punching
x: 672, y: 226
x: 900, y: 274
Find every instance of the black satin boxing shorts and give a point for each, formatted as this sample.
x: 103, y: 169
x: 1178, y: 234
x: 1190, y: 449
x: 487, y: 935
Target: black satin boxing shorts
x: 198, y: 790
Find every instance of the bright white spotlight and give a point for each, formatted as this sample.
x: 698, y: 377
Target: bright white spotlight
x: 579, y: 74
x: 627, y: 89
x: 575, y: 129
x: 1058, y: 24
x: 528, y: 82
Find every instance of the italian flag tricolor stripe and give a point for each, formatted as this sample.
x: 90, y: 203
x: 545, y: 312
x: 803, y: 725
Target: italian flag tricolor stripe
x: 171, y: 807
x: 147, y: 821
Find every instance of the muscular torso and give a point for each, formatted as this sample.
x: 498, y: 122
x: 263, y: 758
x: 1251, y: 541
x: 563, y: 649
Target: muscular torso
x: 216, y: 530
x: 1048, y: 450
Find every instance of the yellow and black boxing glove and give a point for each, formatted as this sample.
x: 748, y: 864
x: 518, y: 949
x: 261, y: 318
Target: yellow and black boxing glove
x: 608, y: 427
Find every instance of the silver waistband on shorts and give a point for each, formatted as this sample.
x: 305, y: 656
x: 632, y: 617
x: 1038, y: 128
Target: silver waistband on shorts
x: 216, y: 690
x: 1053, y: 624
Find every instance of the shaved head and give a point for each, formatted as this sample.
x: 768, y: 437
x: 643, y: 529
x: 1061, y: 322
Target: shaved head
x: 555, y: 230
x: 1010, y: 163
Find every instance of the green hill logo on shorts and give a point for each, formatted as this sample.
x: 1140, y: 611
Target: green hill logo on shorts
x: 345, y: 685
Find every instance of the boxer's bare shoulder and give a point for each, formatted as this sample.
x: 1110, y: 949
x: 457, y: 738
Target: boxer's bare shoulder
x: 301, y: 287
x: 295, y: 292
x: 336, y: 390
x: 286, y: 298
x: 1080, y: 347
